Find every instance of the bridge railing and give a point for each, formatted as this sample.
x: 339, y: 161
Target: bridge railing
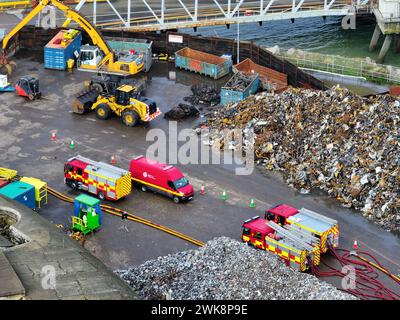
x: 197, y: 13
x: 344, y: 66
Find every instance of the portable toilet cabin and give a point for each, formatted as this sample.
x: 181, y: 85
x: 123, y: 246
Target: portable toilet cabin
x: 87, y: 214
x: 62, y: 48
x: 20, y: 191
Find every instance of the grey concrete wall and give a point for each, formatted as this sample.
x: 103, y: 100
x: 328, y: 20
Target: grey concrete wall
x: 78, y: 274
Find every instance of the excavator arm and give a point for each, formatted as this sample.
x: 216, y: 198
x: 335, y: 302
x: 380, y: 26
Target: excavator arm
x: 70, y: 15
x: 84, y: 24
x: 23, y: 22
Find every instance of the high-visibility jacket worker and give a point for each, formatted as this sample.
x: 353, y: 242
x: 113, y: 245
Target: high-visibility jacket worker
x: 84, y: 219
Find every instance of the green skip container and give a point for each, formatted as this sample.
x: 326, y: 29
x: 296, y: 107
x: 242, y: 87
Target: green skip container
x: 203, y: 63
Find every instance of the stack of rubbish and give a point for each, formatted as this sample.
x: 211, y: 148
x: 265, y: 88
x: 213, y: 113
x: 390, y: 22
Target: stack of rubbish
x: 203, y: 97
x: 182, y: 111
x: 346, y: 145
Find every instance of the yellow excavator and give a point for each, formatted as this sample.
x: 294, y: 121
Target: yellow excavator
x: 97, y: 58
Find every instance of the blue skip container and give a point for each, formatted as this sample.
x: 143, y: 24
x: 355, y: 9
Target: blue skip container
x: 232, y: 92
x: 20, y: 191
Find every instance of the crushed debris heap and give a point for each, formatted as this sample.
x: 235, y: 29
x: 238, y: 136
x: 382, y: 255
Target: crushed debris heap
x: 225, y: 269
x: 344, y: 144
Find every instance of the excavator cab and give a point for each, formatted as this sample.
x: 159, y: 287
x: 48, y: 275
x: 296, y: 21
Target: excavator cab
x: 89, y: 57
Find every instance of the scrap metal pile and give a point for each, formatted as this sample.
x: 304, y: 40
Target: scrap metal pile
x: 225, y: 269
x: 346, y: 145
x: 240, y: 81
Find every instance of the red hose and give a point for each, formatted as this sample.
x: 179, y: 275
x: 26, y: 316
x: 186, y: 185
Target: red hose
x: 367, y: 285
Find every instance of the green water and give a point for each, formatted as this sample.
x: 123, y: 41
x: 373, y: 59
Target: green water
x: 311, y: 34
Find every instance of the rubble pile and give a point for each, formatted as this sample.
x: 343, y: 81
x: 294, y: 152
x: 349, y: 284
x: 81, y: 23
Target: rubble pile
x: 203, y: 95
x: 225, y: 269
x: 346, y: 145
x: 182, y: 111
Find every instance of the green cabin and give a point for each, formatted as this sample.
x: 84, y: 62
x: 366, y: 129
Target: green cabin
x: 87, y: 214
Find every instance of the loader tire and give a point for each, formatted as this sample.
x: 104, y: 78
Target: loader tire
x: 97, y: 86
x: 130, y: 118
x: 103, y: 111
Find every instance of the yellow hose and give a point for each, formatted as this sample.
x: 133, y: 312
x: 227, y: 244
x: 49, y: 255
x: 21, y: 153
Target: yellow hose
x: 118, y: 212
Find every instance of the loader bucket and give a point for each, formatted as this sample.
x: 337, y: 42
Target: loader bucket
x: 84, y: 101
x: 8, y: 68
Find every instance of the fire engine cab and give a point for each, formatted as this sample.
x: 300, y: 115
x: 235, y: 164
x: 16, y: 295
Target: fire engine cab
x: 297, y: 236
x: 103, y: 180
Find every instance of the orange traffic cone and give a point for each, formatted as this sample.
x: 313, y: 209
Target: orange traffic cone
x: 355, y: 245
x: 53, y: 136
x: 113, y: 160
x: 202, y: 191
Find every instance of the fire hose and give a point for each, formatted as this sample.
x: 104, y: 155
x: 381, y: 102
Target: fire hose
x: 365, y: 278
x: 366, y: 283
x: 120, y: 213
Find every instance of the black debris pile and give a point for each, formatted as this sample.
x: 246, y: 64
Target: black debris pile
x: 182, y: 111
x: 203, y: 95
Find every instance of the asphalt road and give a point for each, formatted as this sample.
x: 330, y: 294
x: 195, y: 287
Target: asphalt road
x: 25, y: 128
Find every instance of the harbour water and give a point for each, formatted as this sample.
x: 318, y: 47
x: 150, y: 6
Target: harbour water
x: 311, y: 34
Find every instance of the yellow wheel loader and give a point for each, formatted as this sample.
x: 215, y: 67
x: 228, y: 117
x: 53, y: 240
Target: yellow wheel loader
x: 125, y: 102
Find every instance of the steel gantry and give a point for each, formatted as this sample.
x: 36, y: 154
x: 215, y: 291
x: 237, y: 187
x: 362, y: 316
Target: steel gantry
x: 150, y: 15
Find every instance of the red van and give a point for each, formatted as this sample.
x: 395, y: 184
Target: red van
x: 161, y: 178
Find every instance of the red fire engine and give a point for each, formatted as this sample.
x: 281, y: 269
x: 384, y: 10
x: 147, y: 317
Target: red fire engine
x: 103, y: 180
x: 297, y: 236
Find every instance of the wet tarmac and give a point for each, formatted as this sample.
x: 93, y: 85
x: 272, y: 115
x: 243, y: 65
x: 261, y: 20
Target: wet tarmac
x: 25, y: 128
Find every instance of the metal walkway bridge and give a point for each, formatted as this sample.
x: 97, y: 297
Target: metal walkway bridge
x: 150, y: 15
x: 147, y: 15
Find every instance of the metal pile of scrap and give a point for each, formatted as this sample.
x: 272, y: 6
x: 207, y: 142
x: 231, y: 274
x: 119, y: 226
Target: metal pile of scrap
x: 346, y: 145
x: 240, y: 82
x: 225, y: 269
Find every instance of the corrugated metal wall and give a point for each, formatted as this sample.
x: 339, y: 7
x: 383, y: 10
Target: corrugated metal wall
x: 31, y: 36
